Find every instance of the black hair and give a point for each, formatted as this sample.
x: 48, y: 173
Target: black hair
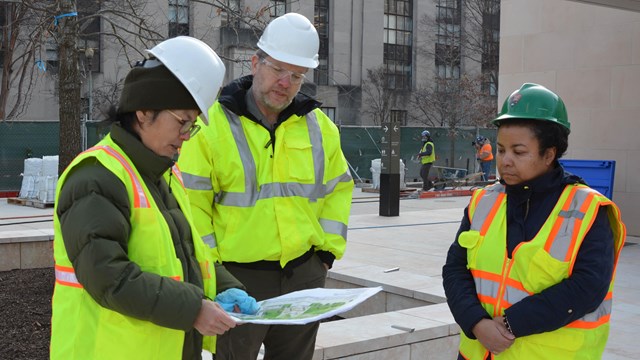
x: 126, y: 120
x: 261, y: 54
x: 549, y: 134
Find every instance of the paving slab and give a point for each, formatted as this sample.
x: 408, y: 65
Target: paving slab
x: 416, y: 242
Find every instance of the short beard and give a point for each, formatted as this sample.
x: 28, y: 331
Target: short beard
x: 274, y: 107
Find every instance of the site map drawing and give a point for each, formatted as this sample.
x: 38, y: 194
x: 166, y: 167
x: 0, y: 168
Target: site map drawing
x: 305, y: 306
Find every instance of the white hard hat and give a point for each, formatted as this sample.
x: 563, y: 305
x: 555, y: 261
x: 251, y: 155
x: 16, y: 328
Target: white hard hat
x: 197, y: 67
x: 292, y: 39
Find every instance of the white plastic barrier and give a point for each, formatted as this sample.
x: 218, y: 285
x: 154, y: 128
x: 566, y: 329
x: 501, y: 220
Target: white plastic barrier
x: 376, y: 165
x: 32, y: 169
x: 39, y: 179
x: 48, y: 180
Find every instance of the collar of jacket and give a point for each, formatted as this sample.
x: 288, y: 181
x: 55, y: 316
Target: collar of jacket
x: 544, y: 183
x: 233, y: 98
x: 146, y: 161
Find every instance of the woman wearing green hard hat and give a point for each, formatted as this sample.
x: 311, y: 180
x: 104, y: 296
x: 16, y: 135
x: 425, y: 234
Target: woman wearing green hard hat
x: 530, y: 274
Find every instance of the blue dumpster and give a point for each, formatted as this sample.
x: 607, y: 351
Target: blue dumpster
x: 598, y: 174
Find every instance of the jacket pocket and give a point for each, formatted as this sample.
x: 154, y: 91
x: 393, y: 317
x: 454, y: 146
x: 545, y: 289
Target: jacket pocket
x: 540, y: 271
x: 300, y: 160
x: 470, y: 240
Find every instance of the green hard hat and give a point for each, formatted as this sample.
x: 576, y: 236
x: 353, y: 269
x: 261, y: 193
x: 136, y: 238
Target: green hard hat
x: 533, y: 101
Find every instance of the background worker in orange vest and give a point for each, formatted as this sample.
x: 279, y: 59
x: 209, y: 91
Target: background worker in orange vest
x: 484, y: 155
x: 530, y: 274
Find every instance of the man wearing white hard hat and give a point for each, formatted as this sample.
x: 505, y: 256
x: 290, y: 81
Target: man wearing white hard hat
x: 270, y: 186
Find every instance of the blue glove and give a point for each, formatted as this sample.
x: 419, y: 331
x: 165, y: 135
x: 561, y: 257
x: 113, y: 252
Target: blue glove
x: 231, y: 297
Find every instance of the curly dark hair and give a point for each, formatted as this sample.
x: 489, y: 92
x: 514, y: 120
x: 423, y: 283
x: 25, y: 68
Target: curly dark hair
x: 548, y: 134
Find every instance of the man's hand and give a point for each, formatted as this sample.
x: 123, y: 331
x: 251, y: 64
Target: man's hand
x: 212, y: 319
x: 493, y: 335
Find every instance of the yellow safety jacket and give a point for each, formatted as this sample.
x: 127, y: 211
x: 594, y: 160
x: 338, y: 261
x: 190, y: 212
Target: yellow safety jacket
x: 431, y: 158
x: 255, y: 199
x: 81, y: 328
x: 535, y: 265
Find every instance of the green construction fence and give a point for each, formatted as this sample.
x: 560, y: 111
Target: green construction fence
x: 20, y: 140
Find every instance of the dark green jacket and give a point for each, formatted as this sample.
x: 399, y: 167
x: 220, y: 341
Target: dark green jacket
x: 93, y: 208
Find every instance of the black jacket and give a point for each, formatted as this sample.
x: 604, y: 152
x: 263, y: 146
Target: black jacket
x: 528, y: 206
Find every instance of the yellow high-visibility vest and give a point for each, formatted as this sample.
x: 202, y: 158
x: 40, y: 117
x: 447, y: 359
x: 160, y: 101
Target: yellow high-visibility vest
x: 537, y: 264
x: 431, y: 158
x: 81, y: 328
x: 257, y: 200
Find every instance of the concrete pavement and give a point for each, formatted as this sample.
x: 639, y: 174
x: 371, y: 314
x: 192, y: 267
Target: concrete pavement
x: 416, y: 242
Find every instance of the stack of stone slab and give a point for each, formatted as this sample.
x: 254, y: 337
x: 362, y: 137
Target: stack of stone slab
x: 39, y: 179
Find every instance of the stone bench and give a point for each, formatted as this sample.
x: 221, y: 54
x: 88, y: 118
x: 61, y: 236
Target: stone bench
x: 26, y: 249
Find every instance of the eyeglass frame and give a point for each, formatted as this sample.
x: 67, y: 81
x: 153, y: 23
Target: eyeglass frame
x: 281, y: 73
x: 187, y: 126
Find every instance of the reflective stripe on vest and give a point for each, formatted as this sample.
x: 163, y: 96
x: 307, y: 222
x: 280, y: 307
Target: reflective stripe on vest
x: 176, y: 171
x: 66, y: 276
x: 210, y: 240
x: 560, y: 245
x: 139, y: 201
x: 252, y: 192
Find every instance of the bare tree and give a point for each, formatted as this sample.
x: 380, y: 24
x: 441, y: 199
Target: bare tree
x: 466, y: 34
x: 452, y: 103
x: 379, y: 98
x: 33, y: 28
x: 24, y: 26
x: 481, y: 38
x: 463, y: 92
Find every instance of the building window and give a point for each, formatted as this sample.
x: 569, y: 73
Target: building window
x: 398, y: 117
x: 398, y: 40
x: 491, y: 47
x: 321, y: 22
x: 229, y: 14
x: 277, y: 8
x: 330, y: 112
x: 447, y: 59
x: 52, y: 56
x: 178, y: 18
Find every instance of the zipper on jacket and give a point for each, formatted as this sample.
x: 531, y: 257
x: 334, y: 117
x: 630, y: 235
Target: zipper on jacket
x: 506, y: 269
x: 526, y: 209
x: 272, y: 142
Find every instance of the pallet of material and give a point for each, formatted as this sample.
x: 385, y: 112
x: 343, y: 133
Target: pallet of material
x: 29, y: 202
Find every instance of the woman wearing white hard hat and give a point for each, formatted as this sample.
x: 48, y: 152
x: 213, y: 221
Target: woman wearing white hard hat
x: 269, y: 184
x: 133, y: 277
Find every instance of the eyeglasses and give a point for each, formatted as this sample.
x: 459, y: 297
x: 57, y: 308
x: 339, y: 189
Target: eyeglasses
x: 280, y: 73
x: 187, y: 126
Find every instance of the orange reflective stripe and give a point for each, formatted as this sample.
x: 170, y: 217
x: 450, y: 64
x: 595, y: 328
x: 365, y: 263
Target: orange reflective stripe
x: 139, y: 201
x: 486, y: 275
x: 506, y: 269
x: 67, y: 276
x: 581, y: 324
x: 205, y: 270
x: 176, y: 278
x: 176, y: 171
x: 492, y: 213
